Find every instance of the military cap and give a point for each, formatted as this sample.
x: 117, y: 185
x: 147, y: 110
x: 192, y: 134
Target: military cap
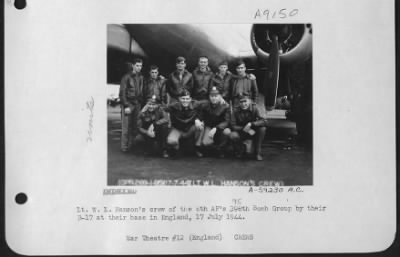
x: 244, y: 96
x: 153, y: 100
x: 214, y: 91
x: 184, y: 92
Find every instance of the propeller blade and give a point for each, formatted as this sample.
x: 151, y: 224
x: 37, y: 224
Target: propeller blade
x: 272, y: 75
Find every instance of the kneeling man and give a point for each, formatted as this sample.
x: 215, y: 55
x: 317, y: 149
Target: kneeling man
x: 185, y: 121
x: 247, y: 125
x: 153, y: 126
x: 216, y: 116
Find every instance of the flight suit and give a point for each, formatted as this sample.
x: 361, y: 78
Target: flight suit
x: 216, y: 116
x: 222, y: 84
x: 239, y: 120
x: 201, y: 83
x: 177, y: 83
x: 241, y: 85
x: 159, y: 119
x: 155, y: 87
x: 131, y: 95
x: 183, y: 122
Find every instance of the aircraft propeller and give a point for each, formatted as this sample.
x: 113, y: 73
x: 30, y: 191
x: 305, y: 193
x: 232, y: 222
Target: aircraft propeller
x: 277, y: 45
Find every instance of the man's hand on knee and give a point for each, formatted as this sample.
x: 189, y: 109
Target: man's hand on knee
x: 212, y: 132
x: 199, y: 124
x: 127, y: 110
x: 251, y: 132
x: 227, y: 131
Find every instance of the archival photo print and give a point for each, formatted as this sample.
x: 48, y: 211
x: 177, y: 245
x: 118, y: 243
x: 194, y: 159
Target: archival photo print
x: 209, y: 104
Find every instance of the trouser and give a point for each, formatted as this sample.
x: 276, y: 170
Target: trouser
x: 219, y: 140
x: 238, y: 137
x: 160, y: 139
x: 175, y: 135
x: 129, y: 126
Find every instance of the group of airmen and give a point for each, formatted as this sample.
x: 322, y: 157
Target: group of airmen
x: 208, y: 110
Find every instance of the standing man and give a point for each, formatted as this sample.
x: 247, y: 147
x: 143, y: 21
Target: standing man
x: 131, y: 95
x: 155, y: 85
x: 202, y: 76
x: 153, y: 127
x: 221, y: 80
x: 243, y: 84
x: 185, y: 121
x: 216, y: 116
x: 247, y: 124
x: 179, y: 80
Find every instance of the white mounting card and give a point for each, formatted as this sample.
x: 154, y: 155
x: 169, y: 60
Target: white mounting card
x: 85, y: 196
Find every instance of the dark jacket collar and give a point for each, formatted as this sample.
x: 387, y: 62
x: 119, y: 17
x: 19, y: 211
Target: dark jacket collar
x: 157, y: 79
x: 198, y: 69
x: 135, y: 75
x: 176, y: 72
x: 226, y: 74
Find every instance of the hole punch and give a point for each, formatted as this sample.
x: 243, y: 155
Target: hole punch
x: 20, y: 4
x: 21, y: 198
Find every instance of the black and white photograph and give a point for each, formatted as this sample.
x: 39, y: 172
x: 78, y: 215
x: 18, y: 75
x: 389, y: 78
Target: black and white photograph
x: 199, y: 127
x: 210, y: 104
